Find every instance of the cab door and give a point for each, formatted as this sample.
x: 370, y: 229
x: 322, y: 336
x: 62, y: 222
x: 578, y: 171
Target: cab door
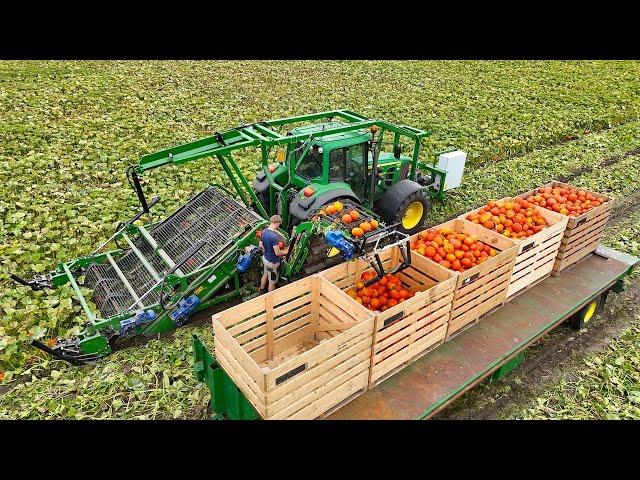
x: 347, y: 165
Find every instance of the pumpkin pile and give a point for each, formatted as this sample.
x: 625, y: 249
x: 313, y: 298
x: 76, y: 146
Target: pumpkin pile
x: 515, y: 218
x: 567, y: 201
x: 455, y: 251
x: 381, y: 295
x: 351, y: 217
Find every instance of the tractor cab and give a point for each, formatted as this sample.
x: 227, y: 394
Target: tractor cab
x: 332, y: 158
x: 336, y: 164
x: 332, y: 163
x: 347, y: 158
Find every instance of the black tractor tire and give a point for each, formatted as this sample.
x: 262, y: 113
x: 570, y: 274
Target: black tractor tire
x: 396, y: 200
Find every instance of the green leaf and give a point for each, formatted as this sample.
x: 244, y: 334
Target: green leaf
x: 38, y: 332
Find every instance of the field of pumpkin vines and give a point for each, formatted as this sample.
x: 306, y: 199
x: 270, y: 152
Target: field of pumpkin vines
x: 69, y: 129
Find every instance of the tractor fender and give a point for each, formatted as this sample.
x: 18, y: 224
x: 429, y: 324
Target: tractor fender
x: 301, y: 208
x: 261, y: 186
x: 394, y: 196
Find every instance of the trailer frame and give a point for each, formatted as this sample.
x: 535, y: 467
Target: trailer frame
x: 427, y: 386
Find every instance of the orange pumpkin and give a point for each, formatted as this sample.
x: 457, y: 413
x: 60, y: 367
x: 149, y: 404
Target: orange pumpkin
x: 365, y: 226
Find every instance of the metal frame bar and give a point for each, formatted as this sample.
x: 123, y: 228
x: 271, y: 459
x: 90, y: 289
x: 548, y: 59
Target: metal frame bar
x: 79, y: 295
x: 142, y: 258
x: 124, y: 281
x: 159, y: 250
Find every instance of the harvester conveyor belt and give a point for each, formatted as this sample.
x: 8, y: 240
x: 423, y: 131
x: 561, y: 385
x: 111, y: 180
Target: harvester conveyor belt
x: 131, y: 280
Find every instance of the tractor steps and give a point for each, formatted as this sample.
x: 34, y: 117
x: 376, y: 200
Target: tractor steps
x: 131, y: 280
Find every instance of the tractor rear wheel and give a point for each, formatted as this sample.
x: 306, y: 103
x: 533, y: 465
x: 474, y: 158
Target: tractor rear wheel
x: 405, y: 203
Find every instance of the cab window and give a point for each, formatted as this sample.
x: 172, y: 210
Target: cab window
x: 356, y: 169
x: 337, y: 165
x: 346, y: 163
x: 310, y: 167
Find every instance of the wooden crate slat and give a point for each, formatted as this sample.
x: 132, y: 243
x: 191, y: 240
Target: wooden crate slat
x: 472, y: 291
x: 249, y: 340
x: 385, y: 369
x: 434, y: 287
x: 429, y: 322
x: 295, y: 289
x: 408, y: 337
x: 303, y: 383
x: 238, y: 352
x: 279, y: 322
x: 575, y: 257
x: 495, y: 286
x: 385, y: 335
x: 284, y: 337
x: 249, y: 374
x: 239, y: 377
x: 283, y: 358
x: 285, y: 342
x: 532, y: 248
x: 586, y: 238
x: 577, y: 232
x: 327, y: 316
x: 292, y: 305
x: 248, y: 325
x: 473, y: 311
x: 583, y: 233
x: 573, y: 238
x: 320, y: 352
x: 305, y: 395
x: 336, y: 398
x: 240, y: 313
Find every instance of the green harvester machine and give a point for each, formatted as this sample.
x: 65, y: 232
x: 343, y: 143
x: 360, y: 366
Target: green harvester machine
x: 150, y: 279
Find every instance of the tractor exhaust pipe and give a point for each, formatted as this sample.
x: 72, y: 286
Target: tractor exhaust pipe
x: 374, y: 167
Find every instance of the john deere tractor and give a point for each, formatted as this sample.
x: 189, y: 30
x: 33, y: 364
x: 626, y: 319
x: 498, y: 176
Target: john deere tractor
x: 148, y: 279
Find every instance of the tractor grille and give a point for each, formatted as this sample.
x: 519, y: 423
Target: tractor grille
x: 209, y: 217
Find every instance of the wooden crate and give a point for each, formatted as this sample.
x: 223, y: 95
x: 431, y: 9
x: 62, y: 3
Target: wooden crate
x: 483, y: 287
x: 296, y: 352
x: 405, y: 332
x: 537, y: 253
x: 583, y: 234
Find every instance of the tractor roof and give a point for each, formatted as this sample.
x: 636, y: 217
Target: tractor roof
x: 342, y: 139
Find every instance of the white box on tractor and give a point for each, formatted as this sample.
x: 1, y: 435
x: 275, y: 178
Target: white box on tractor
x: 453, y: 164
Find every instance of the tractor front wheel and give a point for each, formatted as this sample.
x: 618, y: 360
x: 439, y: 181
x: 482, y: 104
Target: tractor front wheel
x: 405, y: 203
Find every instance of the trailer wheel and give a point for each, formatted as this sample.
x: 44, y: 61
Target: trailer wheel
x: 405, y: 203
x: 590, y: 310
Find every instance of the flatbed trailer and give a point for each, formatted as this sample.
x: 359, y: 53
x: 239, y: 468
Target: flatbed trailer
x: 491, y: 347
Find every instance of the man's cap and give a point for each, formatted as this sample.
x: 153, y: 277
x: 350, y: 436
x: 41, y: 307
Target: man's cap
x: 276, y: 219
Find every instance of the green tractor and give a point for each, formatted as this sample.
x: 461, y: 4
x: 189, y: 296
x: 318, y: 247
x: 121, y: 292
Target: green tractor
x: 148, y: 279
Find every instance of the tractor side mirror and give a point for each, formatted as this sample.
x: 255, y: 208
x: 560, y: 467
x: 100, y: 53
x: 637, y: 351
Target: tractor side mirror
x: 397, y: 149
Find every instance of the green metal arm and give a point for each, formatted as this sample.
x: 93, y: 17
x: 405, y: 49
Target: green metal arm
x: 221, y: 145
x: 258, y: 134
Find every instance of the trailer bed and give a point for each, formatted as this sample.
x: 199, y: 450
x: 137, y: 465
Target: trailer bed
x: 429, y: 384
